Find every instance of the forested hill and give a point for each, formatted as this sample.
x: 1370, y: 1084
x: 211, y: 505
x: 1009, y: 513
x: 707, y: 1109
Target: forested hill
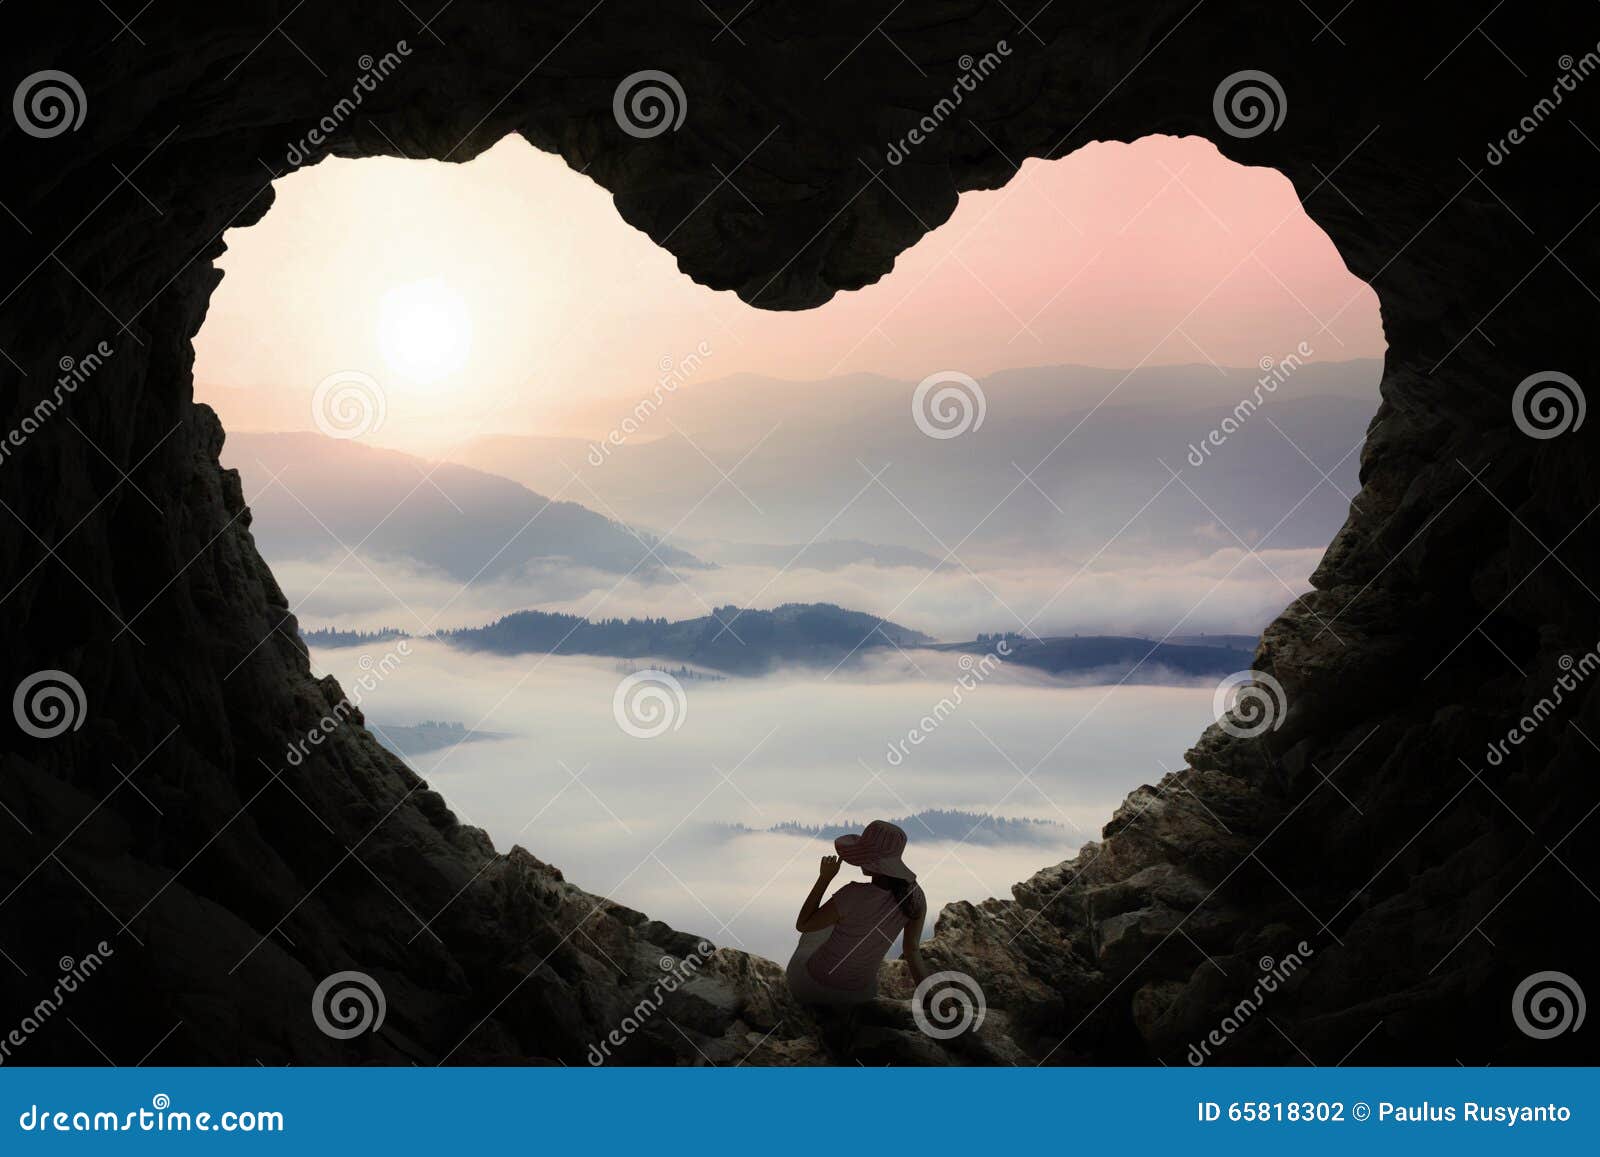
x: 729, y: 639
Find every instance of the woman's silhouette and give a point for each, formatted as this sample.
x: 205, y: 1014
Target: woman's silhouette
x: 843, y: 941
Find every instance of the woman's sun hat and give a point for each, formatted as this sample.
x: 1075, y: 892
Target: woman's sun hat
x: 876, y: 850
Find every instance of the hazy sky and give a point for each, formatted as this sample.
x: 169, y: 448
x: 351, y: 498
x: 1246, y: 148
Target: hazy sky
x: 506, y: 295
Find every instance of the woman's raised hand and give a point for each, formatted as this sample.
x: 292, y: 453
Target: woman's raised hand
x: 829, y: 868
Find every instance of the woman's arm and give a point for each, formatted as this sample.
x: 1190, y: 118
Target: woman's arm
x: 911, y: 946
x: 814, y: 915
x: 911, y: 950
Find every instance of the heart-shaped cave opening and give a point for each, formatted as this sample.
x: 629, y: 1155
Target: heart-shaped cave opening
x: 673, y: 591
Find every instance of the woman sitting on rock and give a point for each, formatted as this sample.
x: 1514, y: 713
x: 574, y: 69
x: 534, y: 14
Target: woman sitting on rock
x: 843, y: 941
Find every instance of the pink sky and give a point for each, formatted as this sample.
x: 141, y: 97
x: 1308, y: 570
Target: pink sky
x: 1159, y: 252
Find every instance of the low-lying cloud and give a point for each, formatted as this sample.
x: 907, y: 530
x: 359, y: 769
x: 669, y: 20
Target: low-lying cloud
x: 1227, y: 591
x: 646, y: 821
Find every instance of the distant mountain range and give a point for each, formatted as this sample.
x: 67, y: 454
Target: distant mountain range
x: 430, y: 735
x: 808, y: 634
x: 934, y: 824
x: 334, y: 637
x: 1115, y: 658
x: 1070, y: 464
x: 1090, y: 441
x: 1235, y: 642
x: 312, y: 495
x: 739, y: 642
x: 824, y: 554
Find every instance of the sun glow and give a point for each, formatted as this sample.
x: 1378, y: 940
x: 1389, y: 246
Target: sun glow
x: 424, y: 329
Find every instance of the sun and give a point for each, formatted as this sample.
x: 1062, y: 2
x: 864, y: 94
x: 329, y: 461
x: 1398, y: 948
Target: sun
x: 424, y: 329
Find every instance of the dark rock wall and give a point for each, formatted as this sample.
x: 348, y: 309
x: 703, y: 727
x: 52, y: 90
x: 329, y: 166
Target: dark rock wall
x: 228, y: 882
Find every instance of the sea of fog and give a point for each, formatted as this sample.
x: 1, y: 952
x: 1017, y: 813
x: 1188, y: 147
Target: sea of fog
x: 676, y: 824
